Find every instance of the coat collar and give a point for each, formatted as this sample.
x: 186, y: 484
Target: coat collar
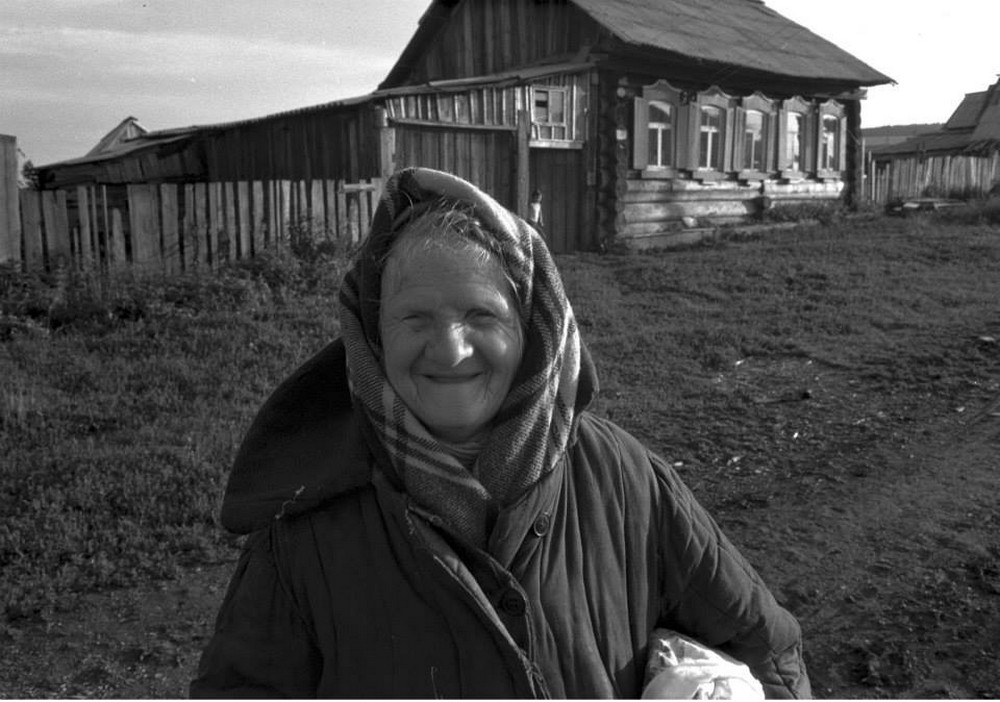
x: 306, y: 446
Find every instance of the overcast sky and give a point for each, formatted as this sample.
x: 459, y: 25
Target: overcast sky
x: 70, y: 70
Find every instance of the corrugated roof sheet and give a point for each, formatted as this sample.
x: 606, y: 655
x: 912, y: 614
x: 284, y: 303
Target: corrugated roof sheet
x: 738, y: 32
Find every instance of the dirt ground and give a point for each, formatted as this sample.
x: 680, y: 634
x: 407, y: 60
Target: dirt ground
x: 887, y: 549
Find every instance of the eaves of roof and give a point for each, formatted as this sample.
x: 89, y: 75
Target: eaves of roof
x: 152, y: 140
x: 937, y: 142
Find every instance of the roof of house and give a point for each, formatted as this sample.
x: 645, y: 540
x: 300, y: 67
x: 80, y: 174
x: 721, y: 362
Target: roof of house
x: 974, y: 126
x: 128, y: 128
x: 744, y: 33
x: 966, y: 115
x: 905, y: 130
x: 737, y: 33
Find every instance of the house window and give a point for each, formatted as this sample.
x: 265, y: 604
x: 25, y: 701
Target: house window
x: 829, y: 154
x: 754, y: 150
x: 712, y: 133
x: 660, y: 122
x: 549, y: 114
x: 660, y: 117
x: 754, y: 125
x: 794, y: 136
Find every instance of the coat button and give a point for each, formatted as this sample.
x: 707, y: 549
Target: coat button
x: 512, y: 604
x: 542, y: 525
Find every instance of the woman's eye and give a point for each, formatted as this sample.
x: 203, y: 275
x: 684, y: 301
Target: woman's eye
x: 482, y: 315
x: 413, y: 319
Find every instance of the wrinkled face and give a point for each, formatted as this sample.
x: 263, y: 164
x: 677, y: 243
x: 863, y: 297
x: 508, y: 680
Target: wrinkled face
x: 451, y: 338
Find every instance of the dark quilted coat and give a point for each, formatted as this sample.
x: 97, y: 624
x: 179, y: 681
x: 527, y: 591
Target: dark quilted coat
x: 345, y: 589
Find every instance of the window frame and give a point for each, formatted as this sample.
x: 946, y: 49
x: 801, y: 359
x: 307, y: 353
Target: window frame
x: 767, y: 108
x: 565, y: 124
x: 671, y: 111
x: 831, y: 108
x: 714, y: 97
x: 807, y: 139
x: 659, y: 92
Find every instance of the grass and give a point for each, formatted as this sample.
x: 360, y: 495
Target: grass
x: 121, y: 403
x: 122, y: 400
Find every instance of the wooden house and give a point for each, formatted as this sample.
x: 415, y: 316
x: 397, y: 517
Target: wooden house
x: 959, y: 160
x: 635, y: 120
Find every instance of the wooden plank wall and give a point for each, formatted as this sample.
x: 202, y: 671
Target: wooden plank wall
x: 560, y: 176
x: 487, y: 37
x: 486, y: 158
x: 171, y: 227
x: 950, y: 175
x: 10, y: 218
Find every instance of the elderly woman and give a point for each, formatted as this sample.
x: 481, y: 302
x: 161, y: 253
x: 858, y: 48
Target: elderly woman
x: 433, y: 512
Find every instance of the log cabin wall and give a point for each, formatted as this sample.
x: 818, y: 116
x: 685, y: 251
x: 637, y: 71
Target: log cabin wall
x: 650, y: 205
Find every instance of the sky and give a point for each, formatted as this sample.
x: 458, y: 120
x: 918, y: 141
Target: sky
x: 71, y: 70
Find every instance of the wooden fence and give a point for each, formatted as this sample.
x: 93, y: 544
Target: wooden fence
x: 173, y: 227
x: 947, y: 175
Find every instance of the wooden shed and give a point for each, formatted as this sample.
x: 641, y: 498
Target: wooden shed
x: 958, y: 160
x: 634, y: 120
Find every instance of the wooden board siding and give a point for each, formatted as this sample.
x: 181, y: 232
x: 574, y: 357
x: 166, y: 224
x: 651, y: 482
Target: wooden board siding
x: 320, y: 145
x: 484, y: 157
x: 521, y: 32
x: 560, y: 175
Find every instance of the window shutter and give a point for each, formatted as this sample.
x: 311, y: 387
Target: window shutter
x: 729, y: 125
x: 693, y: 150
x: 640, y: 134
x: 842, y: 141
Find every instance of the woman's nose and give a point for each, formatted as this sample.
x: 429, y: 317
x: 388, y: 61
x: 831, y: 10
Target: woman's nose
x: 450, y: 345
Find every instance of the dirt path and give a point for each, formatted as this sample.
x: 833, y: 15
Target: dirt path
x: 898, y: 581
x: 135, y: 643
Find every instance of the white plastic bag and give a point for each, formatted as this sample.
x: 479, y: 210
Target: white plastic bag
x: 680, y: 668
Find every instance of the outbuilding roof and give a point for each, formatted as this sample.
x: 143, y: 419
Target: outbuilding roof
x: 973, y: 127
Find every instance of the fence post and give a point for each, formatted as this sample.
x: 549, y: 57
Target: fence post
x: 169, y: 215
x: 144, y: 225
x: 10, y: 206
x: 259, y: 222
x: 245, y: 225
x: 31, y: 221
x: 86, y: 250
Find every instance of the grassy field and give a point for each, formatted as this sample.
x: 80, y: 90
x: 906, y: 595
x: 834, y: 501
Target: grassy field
x: 765, y: 366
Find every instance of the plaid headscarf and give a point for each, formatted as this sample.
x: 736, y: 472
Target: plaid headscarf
x: 532, y: 428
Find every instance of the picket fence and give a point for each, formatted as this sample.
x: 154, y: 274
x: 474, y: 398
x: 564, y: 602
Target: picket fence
x: 171, y: 227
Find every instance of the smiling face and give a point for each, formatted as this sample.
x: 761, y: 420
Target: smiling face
x: 451, y: 336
